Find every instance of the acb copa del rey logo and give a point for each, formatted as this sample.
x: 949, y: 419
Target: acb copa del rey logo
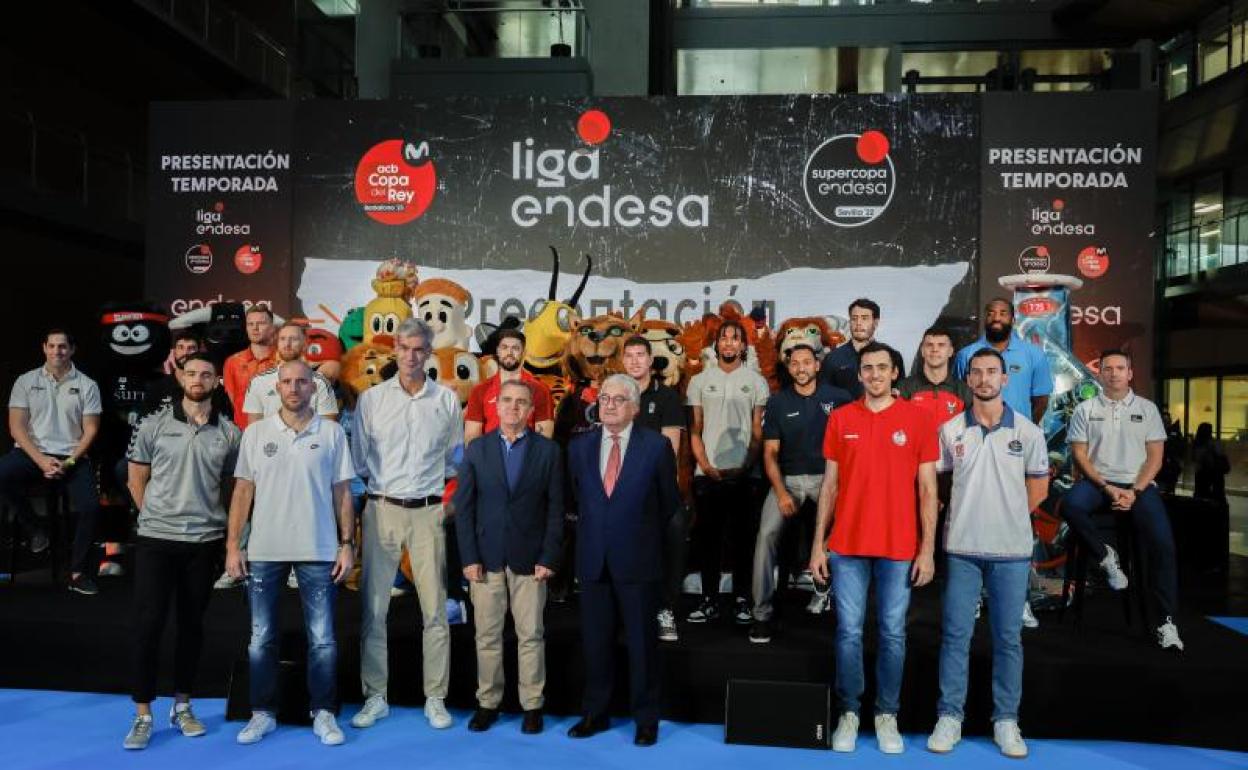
x: 850, y: 179
x: 395, y: 181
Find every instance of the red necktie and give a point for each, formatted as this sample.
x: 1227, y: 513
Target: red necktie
x: 613, y: 465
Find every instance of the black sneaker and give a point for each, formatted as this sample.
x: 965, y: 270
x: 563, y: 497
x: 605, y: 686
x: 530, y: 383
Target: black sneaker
x: 760, y: 632
x: 84, y: 584
x: 706, y: 612
x: 742, y: 614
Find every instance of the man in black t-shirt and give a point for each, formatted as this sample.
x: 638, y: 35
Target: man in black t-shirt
x: 661, y: 410
x: 794, y: 422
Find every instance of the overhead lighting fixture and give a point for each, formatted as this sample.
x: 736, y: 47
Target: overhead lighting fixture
x: 1205, y: 208
x: 1209, y: 233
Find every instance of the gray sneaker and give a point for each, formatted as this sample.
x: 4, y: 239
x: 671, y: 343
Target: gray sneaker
x: 186, y: 721
x: 140, y: 733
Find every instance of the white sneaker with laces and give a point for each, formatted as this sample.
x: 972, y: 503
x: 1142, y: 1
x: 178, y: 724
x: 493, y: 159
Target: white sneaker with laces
x: 325, y: 727
x: 292, y: 580
x: 947, y: 734
x: 1114, y: 576
x: 820, y: 601
x: 1168, y: 635
x: 375, y: 707
x: 887, y: 735
x: 436, y: 713
x: 845, y: 739
x: 1007, y: 736
x: 1029, y: 618
x: 261, y: 724
x: 667, y: 626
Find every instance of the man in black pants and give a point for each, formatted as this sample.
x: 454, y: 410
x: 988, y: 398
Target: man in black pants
x: 54, y: 416
x: 178, y: 456
x: 661, y: 411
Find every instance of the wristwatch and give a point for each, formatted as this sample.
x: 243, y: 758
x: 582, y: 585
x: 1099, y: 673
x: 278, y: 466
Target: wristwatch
x: 347, y: 542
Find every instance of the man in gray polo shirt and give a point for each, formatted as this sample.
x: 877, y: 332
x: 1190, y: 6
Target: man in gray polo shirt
x: 179, y: 457
x: 1118, y: 442
x: 54, y: 415
x: 1000, y: 467
x: 296, y: 467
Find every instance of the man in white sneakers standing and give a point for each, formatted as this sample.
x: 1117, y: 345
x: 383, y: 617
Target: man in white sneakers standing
x: 1000, y: 466
x: 296, y: 468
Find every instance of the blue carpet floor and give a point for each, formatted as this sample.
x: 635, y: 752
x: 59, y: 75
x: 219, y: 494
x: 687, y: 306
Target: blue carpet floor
x: 1235, y: 624
x: 42, y: 729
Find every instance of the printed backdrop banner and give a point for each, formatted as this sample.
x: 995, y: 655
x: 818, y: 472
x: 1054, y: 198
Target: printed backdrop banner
x: 800, y: 204
x: 1068, y: 186
x: 219, y: 194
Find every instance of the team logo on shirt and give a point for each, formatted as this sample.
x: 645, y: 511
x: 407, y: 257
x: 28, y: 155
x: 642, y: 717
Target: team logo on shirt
x: 745, y: 389
x: 651, y: 410
x: 899, y: 438
x: 1016, y: 447
x: 73, y: 391
x: 1137, y: 418
x: 951, y: 407
x: 1015, y: 368
x: 315, y: 446
x: 959, y: 450
x: 827, y: 408
x: 712, y: 389
x: 270, y: 449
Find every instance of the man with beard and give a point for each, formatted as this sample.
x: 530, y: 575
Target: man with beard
x: 1030, y: 380
x: 726, y: 434
x: 263, y: 399
x: 840, y: 366
x: 180, y: 459
x: 793, y: 427
x: 481, y: 413
x: 259, y: 356
x: 1000, y: 466
x: 169, y: 389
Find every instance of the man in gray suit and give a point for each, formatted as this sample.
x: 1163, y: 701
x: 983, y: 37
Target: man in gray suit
x: 509, y: 519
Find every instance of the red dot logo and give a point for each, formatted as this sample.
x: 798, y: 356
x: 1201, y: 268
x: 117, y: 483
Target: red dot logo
x: 593, y: 127
x: 218, y: 207
x: 395, y: 181
x: 872, y: 147
x: 1093, y: 261
x: 248, y: 259
x: 1058, y: 204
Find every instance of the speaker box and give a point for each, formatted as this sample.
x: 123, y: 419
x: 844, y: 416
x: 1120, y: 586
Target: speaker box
x: 292, y: 693
x: 791, y: 714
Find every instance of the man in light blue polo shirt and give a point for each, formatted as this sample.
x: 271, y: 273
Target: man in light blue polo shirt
x: 1030, y: 380
x: 1000, y: 468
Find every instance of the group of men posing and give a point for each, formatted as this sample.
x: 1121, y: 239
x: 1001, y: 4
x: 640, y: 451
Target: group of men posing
x: 846, y: 433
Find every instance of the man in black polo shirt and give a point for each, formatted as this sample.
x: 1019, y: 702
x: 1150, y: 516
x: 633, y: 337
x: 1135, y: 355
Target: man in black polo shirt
x: 661, y: 410
x: 793, y: 426
x: 840, y: 367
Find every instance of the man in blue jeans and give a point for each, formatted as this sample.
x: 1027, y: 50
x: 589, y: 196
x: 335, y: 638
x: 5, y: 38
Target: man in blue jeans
x: 1000, y: 468
x: 875, y: 450
x: 296, y: 468
x: 1118, y: 442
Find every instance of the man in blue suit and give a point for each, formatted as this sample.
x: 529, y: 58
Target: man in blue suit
x: 624, y: 478
x: 509, y: 519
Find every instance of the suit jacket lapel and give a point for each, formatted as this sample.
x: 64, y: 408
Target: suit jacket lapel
x: 500, y: 461
x: 632, y: 457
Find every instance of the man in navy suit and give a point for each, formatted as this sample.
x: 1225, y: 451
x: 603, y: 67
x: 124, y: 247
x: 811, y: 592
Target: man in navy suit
x: 624, y: 478
x: 509, y: 519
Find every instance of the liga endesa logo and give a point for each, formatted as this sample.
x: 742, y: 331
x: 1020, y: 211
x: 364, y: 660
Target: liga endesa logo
x: 395, y: 181
x: 850, y: 179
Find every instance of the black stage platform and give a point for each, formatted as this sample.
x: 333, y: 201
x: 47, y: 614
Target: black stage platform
x: 1104, y: 681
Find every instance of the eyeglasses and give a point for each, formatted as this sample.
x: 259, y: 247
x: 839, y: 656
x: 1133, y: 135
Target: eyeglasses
x: 605, y: 400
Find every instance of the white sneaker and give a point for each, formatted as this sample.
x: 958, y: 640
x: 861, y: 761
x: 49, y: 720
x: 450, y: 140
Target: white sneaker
x: 292, y: 580
x: 1029, y: 618
x: 946, y: 735
x: 1114, y: 575
x: 845, y: 739
x: 375, y: 707
x: 1168, y: 635
x: 261, y: 724
x: 225, y: 581
x: 887, y: 735
x: 1008, y: 737
x: 820, y: 602
x: 110, y: 569
x: 667, y: 626
x: 325, y: 727
x: 436, y: 713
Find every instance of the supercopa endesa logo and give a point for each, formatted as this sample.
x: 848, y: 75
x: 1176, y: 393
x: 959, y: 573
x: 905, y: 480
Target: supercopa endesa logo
x: 395, y: 181
x: 850, y: 179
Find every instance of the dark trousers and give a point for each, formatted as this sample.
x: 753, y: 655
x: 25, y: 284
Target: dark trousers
x: 167, y: 570
x: 604, y: 602
x: 18, y: 471
x: 725, y: 508
x: 675, y: 550
x: 1152, y: 528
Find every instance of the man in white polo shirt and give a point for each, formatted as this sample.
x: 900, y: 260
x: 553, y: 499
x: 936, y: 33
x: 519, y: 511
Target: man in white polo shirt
x: 406, y: 432
x: 1000, y: 466
x: 262, y: 398
x: 54, y: 414
x: 296, y: 468
x: 1118, y: 442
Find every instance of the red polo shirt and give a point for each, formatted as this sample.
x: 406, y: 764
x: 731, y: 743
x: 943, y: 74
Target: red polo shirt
x: 877, y: 456
x: 483, y: 402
